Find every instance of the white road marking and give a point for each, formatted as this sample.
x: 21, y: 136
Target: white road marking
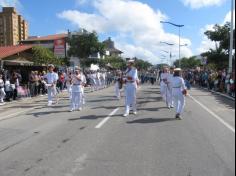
x: 107, y: 118
x: 213, y: 114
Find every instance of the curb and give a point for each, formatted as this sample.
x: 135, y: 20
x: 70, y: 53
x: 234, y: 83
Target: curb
x: 221, y: 94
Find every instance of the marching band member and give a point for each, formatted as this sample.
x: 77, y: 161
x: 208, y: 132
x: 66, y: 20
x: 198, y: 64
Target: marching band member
x: 165, y: 86
x: 131, y: 88
x: 179, y: 91
x: 51, y: 81
x: 118, y: 84
x: 76, y: 91
x: 68, y: 84
x: 2, y: 92
x: 171, y: 75
x: 84, y: 82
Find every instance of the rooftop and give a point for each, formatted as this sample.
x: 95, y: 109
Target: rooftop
x: 7, y: 51
x: 46, y: 38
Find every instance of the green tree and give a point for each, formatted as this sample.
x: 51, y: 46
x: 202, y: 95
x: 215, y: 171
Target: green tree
x: 115, y: 62
x: 218, y: 58
x: 44, y: 56
x: 188, y: 63
x: 84, y: 45
x: 142, y: 65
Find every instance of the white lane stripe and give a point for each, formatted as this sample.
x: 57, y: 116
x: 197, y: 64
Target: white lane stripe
x: 107, y: 118
x: 213, y: 114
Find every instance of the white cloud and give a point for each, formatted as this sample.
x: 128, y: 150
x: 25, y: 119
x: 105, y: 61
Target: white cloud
x: 10, y: 3
x: 136, y: 25
x: 206, y: 43
x: 196, y: 4
x: 228, y: 18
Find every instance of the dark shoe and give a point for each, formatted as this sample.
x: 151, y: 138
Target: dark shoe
x: 178, y: 117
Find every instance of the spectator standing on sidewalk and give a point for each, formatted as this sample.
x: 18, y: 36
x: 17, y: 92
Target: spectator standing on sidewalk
x: 15, y: 83
x: 2, y: 92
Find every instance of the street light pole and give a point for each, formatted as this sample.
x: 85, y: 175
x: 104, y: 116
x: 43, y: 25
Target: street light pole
x: 231, y: 38
x: 179, y: 49
x: 179, y: 26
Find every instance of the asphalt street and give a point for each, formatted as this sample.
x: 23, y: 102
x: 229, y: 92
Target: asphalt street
x: 36, y: 140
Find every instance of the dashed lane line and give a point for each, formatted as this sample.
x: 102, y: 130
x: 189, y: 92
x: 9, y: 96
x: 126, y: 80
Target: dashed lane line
x: 107, y: 118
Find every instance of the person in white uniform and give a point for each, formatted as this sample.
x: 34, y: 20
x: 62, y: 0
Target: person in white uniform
x: 76, y: 91
x: 2, y: 92
x: 84, y: 82
x: 165, y: 86
x: 171, y: 75
x: 179, y: 91
x: 51, y: 81
x: 118, y: 84
x: 131, y: 88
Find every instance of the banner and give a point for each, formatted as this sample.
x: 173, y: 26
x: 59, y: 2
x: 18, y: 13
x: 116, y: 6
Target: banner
x: 59, y: 48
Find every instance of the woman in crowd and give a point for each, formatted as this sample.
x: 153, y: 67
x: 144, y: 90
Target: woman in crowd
x: 2, y: 92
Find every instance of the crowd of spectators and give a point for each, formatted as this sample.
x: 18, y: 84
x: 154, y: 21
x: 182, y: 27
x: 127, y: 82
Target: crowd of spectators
x: 12, y: 87
x: 219, y: 80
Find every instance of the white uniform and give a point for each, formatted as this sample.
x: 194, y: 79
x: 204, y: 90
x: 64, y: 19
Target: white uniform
x: 98, y: 80
x: 171, y: 100
x: 76, y: 99
x: 84, y: 81
x: 69, y: 86
x: 131, y: 90
x: 165, y: 88
x: 2, y: 92
x: 178, y: 86
x: 51, y: 86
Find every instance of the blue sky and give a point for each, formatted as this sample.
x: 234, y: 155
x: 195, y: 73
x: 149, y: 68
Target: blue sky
x: 133, y: 24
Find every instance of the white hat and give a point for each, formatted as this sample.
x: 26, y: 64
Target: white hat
x: 51, y: 65
x: 77, y: 68
x: 131, y: 61
x: 177, y: 69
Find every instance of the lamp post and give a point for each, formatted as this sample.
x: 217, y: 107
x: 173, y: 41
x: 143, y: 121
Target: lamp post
x: 170, y: 44
x: 231, y: 38
x: 179, y: 26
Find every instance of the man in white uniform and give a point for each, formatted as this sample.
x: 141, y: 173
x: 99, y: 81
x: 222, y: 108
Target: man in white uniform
x: 165, y: 86
x: 131, y: 88
x: 118, y: 84
x: 76, y: 100
x: 51, y: 80
x: 171, y: 75
x: 84, y: 82
x: 179, y: 91
x: 2, y: 92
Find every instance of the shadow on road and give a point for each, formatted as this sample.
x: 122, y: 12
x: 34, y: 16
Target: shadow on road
x: 39, y: 114
x: 152, y: 120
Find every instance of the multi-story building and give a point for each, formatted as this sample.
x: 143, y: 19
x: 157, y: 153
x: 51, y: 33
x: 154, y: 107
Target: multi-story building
x: 13, y: 27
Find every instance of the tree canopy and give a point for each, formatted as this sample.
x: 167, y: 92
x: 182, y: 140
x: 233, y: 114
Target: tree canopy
x: 85, y: 45
x: 188, y: 63
x: 218, y: 58
x: 44, y: 56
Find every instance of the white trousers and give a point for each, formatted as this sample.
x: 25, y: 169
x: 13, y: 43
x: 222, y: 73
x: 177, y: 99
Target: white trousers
x: 76, y: 102
x: 166, y: 94
x: 179, y: 100
x: 117, y: 90
x: 2, y: 94
x: 130, y: 100
x: 52, y: 92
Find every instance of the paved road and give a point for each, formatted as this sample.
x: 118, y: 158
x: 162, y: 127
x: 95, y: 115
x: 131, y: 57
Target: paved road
x: 98, y: 141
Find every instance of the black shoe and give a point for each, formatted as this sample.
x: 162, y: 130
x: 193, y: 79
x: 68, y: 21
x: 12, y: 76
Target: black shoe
x: 178, y: 117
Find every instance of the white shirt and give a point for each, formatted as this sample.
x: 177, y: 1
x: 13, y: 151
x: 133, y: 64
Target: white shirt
x: 178, y: 83
x: 51, y: 77
x: 133, y: 73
